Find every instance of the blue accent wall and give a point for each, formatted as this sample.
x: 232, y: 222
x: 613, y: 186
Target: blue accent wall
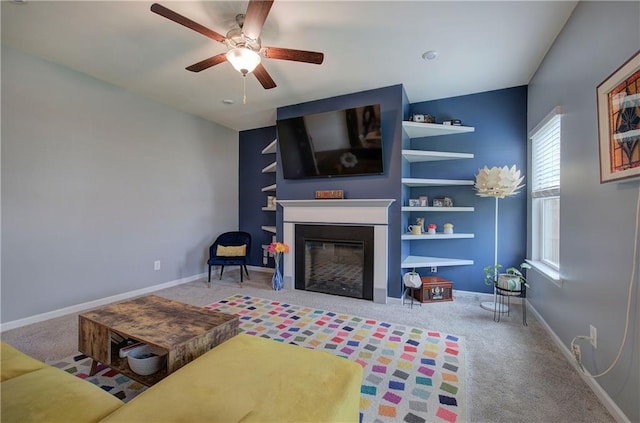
x: 251, y: 181
x: 500, y: 138
x: 386, y: 185
x: 500, y: 120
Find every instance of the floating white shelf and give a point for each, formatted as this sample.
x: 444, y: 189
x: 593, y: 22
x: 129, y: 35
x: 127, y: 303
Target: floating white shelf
x: 269, y: 188
x: 271, y: 148
x: 419, y: 130
x: 421, y: 261
x: 411, y: 237
x: 271, y: 229
x: 414, y: 156
x: 421, y: 182
x: 422, y: 130
x: 269, y: 168
x: 437, y: 209
x: 268, y: 209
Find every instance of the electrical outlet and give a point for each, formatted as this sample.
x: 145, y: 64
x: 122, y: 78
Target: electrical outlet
x: 156, y: 265
x: 593, y: 336
x: 434, y: 269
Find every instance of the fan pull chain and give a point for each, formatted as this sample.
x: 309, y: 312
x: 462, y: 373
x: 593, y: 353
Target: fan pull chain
x: 244, y: 89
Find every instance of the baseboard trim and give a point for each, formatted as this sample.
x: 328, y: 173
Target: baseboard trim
x: 14, y: 324
x: 602, y: 395
x: 261, y: 269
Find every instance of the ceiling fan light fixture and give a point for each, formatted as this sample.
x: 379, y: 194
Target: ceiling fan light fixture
x: 243, y: 59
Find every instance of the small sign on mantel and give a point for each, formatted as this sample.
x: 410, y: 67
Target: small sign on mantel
x: 332, y: 194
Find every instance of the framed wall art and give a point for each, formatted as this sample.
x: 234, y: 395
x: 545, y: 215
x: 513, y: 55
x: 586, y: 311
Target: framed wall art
x: 618, y: 99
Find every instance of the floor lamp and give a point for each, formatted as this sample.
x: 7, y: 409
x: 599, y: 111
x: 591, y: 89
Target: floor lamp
x: 497, y: 182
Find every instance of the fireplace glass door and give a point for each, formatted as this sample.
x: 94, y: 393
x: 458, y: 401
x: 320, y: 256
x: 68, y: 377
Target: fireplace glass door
x: 335, y: 260
x: 334, y: 267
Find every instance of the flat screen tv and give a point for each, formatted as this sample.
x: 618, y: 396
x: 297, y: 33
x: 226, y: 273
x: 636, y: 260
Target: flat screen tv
x: 344, y: 142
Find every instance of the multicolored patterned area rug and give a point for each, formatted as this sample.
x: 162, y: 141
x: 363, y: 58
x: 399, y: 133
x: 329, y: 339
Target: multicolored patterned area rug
x: 110, y: 380
x: 411, y: 375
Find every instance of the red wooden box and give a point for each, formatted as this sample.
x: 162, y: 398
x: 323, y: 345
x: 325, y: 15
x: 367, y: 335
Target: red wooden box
x: 434, y: 289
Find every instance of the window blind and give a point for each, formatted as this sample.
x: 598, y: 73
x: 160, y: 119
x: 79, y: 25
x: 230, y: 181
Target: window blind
x: 546, y: 159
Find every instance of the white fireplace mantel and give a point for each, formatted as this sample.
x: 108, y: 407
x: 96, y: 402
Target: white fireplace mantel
x: 355, y: 211
x: 355, y: 202
x: 371, y: 212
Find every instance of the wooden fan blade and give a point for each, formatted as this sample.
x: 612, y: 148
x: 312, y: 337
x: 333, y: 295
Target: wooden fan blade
x: 294, y: 55
x: 263, y: 77
x: 177, y: 18
x: 207, y: 63
x: 257, y: 12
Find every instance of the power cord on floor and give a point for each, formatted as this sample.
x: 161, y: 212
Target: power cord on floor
x: 575, y: 348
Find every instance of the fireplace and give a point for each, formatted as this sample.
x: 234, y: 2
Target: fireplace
x: 335, y: 260
x: 369, y: 213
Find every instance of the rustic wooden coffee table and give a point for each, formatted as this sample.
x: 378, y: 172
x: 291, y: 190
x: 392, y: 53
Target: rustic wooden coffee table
x: 183, y: 330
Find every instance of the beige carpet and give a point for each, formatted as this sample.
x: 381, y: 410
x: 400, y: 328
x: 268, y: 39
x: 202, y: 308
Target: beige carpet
x: 514, y: 373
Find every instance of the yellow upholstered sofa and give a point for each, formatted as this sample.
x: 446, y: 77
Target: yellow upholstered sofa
x: 247, y: 378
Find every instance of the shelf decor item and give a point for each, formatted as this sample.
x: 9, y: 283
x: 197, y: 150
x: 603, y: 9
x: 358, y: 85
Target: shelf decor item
x: 271, y: 201
x: 332, y: 194
x: 277, y: 249
x: 497, y: 182
x: 415, y: 229
x: 448, y: 228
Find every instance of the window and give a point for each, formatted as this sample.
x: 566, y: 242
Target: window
x: 545, y: 191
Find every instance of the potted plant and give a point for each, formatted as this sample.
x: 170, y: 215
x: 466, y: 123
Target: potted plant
x: 511, y: 280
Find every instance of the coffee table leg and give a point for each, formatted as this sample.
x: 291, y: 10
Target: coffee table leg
x: 94, y: 367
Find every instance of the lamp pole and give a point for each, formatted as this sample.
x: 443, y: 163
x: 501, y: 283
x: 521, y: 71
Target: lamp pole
x: 493, y: 305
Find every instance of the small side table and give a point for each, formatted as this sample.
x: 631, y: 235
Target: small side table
x: 503, y: 297
x: 411, y: 292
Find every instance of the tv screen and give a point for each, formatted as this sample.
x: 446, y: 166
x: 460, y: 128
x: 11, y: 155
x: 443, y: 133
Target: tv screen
x: 337, y: 143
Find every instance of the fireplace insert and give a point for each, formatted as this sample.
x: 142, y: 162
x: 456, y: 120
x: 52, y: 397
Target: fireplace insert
x: 335, y: 260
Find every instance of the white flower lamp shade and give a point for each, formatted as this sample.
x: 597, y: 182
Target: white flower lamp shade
x: 497, y: 182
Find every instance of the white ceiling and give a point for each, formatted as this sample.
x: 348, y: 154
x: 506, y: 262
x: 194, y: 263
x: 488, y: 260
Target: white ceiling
x: 482, y: 46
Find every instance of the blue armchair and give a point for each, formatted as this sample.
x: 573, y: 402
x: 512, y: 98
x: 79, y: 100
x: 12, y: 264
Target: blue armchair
x: 230, y: 249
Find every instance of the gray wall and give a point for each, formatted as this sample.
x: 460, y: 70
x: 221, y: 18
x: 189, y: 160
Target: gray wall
x: 597, y: 221
x: 97, y: 183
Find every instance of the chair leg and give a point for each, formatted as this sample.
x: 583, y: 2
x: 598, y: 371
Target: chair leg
x: 241, y: 276
x: 209, y: 282
x: 221, y: 270
x: 247, y: 271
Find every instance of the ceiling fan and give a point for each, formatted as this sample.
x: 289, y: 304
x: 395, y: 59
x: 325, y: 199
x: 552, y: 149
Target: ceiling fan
x: 244, y: 46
